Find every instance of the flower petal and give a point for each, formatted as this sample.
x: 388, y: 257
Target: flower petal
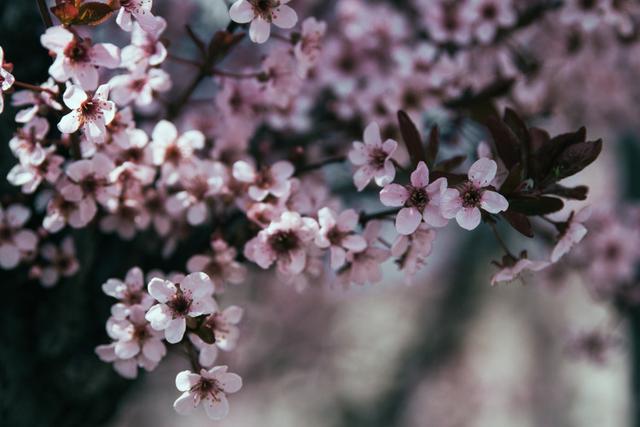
x: 468, y: 218
x: 408, y: 220
x: 394, y: 195
x: 483, y: 171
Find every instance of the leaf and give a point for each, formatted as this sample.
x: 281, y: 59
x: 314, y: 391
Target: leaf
x: 513, y: 180
x: 93, y: 13
x: 573, y: 159
x: 577, y: 193
x: 520, y: 130
x: 433, y: 145
x: 545, y: 157
x: 535, y: 205
x: 519, y: 222
x: 411, y: 138
x: 66, y: 12
x: 450, y: 164
x: 506, y: 142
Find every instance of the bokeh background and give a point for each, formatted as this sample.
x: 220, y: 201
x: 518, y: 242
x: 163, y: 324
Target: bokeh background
x: 447, y: 351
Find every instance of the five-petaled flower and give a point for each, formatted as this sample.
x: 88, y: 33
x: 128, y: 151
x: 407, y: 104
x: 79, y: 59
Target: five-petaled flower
x: 209, y: 388
x: 191, y: 298
x: 93, y: 114
x: 336, y: 233
x: 261, y: 14
x: 465, y: 203
x: 273, y: 180
x: 373, y: 158
x: 420, y: 200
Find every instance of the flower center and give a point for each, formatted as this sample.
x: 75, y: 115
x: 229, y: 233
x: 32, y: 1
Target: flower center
x: 284, y: 241
x: 90, y: 110
x: 489, y: 11
x: 180, y: 303
x: 89, y: 185
x: 377, y: 157
x: 264, y: 8
x: 335, y: 236
x: 6, y: 233
x: 264, y: 178
x: 471, y: 196
x: 207, y: 388
x: 77, y: 51
x: 418, y: 198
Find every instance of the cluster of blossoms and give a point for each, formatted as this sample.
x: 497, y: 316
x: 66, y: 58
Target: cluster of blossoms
x: 104, y: 142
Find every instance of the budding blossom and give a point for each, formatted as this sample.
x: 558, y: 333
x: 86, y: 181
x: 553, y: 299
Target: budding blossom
x: 209, y: 388
x: 261, y: 14
x: 373, y: 158
x: 420, y: 200
x: 6, y: 79
x: 337, y: 233
x: 464, y: 204
x: 284, y: 241
x: 78, y: 59
x: 93, y: 114
x: 16, y: 242
x: 192, y: 297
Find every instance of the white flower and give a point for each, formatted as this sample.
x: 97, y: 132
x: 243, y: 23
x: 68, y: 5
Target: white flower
x: 6, y: 80
x: 210, y: 388
x: 191, y: 298
x: 141, y: 11
x: 92, y: 114
x: 261, y: 14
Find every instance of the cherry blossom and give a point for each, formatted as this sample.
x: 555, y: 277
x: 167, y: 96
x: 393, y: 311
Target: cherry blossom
x: 27, y: 143
x: 222, y: 327
x: 412, y: 250
x: 364, y: 267
x: 337, y: 233
x: 308, y: 48
x: 139, y: 86
x: 273, y: 180
x: 92, y: 114
x: 77, y: 58
x: 373, y: 158
x: 170, y: 149
x: 145, y: 49
x: 16, y: 242
x: 6, y: 79
x: 60, y: 261
x: 130, y: 293
x: 192, y: 297
x: 512, y: 269
x: 89, y: 182
x: 465, y: 203
x: 140, y: 10
x: 37, y: 100
x: 489, y: 15
x: 420, y: 200
x: 220, y: 264
x: 261, y: 14
x: 210, y: 388
x: 284, y: 241
x: 30, y: 174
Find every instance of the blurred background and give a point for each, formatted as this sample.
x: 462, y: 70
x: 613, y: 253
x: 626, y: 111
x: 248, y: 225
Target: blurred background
x: 448, y: 350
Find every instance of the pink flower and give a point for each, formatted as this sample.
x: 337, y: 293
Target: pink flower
x: 37, y: 100
x: 222, y: 325
x: 307, y: 50
x: 61, y: 261
x: 273, y: 180
x: 61, y: 210
x: 284, y: 241
x: 89, y: 181
x: 282, y: 82
x: 140, y: 10
x: 336, y: 232
x: 220, y: 264
x: 411, y: 251
x: 210, y: 387
x: 420, y: 200
x: 92, y: 114
x: 512, y: 269
x: 191, y: 298
x: 130, y: 293
x: 464, y: 204
x: 489, y: 15
x: 573, y: 232
x: 170, y: 149
x: 77, y: 58
x: 129, y: 216
x: 140, y: 86
x: 261, y: 14
x: 373, y: 158
x: 27, y: 143
x: 15, y: 241
x: 6, y: 80
x: 145, y: 49
x: 364, y: 267
x: 30, y: 174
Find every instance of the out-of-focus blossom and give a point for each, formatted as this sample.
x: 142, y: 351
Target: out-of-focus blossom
x: 337, y: 233
x: 130, y: 293
x: 6, y: 79
x: 16, y: 242
x: 511, y: 268
x: 38, y: 101
x: 411, y: 251
x: 145, y: 49
x: 139, y: 86
x: 364, y: 267
x: 308, y: 48
x: 220, y: 264
x: 140, y: 10
x: 60, y: 261
x: 273, y: 180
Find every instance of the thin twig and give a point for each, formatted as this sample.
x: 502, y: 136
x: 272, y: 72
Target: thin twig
x: 231, y: 74
x: 44, y: 13
x: 364, y: 217
x: 500, y: 240
x: 184, y: 60
x: 34, y: 88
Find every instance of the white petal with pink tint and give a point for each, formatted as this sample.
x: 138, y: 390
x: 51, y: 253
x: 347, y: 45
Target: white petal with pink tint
x: 408, y: 220
x: 493, y: 202
x: 483, y: 171
x: 468, y: 218
x: 394, y: 195
x: 285, y: 17
x: 241, y: 12
x: 420, y: 176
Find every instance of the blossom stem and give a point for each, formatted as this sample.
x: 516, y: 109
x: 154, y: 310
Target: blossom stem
x: 364, y: 217
x: 321, y: 164
x: 231, y: 74
x: 281, y: 37
x: 193, y: 355
x: 33, y: 88
x: 44, y: 13
x: 500, y: 240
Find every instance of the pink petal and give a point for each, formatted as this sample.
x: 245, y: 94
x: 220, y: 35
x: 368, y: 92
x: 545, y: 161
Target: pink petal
x: 468, y: 218
x: 433, y: 216
x: 241, y: 12
x: 493, y: 202
x: 394, y: 195
x: 259, y: 30
x: 450, y: 203
x: 420, y: 177
x: 372, y: 134
x: 74, y: 97
x: 408, y: 220
x: 216, y: 409
x: 282, y: 170
x: 185, y: 404
x: 483, y: 171
x: 285, y: 17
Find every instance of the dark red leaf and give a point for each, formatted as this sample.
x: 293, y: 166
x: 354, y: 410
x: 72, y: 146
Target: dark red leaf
x: 507, y: 143
x: 411, y: 138
x: 519, y: 222
x: 535, y: 205
x: 433, y: 145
